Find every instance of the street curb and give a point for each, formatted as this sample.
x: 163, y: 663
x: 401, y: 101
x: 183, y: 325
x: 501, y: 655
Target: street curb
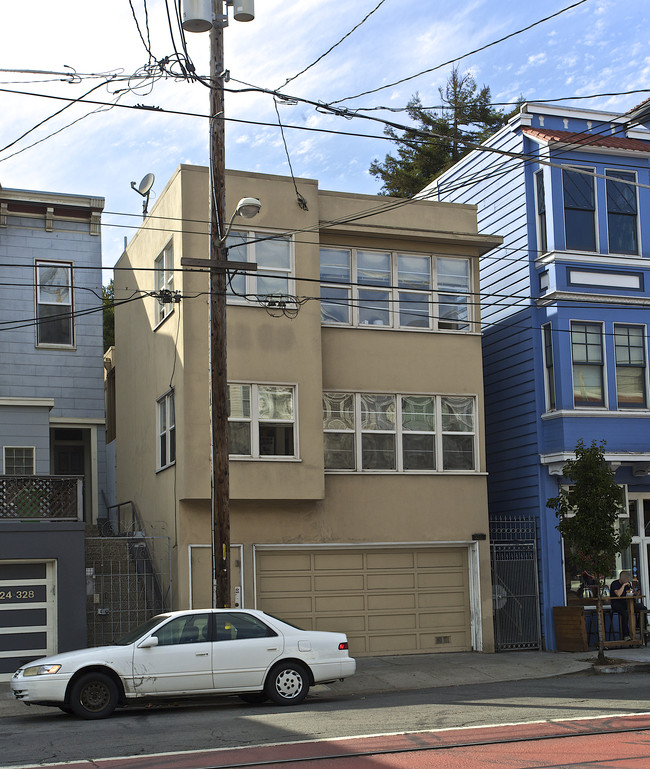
x: 622, y: 667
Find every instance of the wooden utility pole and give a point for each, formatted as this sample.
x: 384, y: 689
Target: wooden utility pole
x: 218, y: 348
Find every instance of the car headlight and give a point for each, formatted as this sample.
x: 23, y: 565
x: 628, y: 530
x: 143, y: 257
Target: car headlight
x: 41, y: 670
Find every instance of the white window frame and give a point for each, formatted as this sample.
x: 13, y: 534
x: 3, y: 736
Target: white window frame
x: 591, y: 171
x: 354, y: 287
x: 251, y: 279
x: 638, y: 212
x: 6, y: 449
x: 165, y: 431
x: 547, y: 385
x: 644, y: 331
x: 256, y: 422
x: 603, y: 365
x: 67, y: 307
x: 164, y: 278
x: 399, y: 432
x: 542, y: 232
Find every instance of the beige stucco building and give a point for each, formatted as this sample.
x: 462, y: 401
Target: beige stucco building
x: 358, y: 491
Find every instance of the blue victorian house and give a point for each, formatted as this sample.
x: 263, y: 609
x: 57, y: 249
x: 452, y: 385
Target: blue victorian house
x: 565, y: 307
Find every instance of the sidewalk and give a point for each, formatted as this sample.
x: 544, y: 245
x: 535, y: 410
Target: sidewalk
x: 423, y: 671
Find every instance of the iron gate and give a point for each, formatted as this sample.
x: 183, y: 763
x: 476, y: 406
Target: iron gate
x: 515, y: 587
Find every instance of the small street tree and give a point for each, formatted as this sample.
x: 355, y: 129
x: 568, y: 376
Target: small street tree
x: 465, y: 118
x: 588, y: 511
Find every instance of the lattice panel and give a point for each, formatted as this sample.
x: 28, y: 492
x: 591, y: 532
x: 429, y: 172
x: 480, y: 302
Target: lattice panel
x: 39, y: 496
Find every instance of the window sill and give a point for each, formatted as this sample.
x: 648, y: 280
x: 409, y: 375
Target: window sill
x: 66, y: 347
x: 465, y: 331
x: 161, y: 322
x: 596, y: 412
x: 166, y: 467
x: 426, y: 473
x: 234, y: 458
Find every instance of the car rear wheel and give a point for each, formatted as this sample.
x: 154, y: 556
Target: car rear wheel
x: 93, y: 695
x: 287, y: 683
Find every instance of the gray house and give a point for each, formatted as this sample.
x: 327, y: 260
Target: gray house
x: 52, y: 423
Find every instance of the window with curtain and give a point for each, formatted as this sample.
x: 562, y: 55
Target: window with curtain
x: 587, y: 359
x: 542, y: 243
x: 630, y: 350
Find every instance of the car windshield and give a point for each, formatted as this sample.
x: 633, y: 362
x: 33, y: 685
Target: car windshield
x: 141, y: 630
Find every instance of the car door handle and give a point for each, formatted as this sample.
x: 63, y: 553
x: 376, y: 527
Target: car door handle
x: 201, y: 654
x: 272, y: 649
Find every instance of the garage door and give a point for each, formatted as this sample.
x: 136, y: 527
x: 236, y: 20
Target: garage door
x: 387, y: 600
x: 27, y: 613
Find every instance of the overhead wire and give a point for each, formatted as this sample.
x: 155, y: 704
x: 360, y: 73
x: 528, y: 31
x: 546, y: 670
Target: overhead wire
x: 463, y: 56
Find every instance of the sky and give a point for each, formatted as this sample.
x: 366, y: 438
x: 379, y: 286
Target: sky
x: 597, y: 47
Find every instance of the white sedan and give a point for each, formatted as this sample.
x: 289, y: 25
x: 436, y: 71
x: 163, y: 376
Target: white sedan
x: 187, y: 653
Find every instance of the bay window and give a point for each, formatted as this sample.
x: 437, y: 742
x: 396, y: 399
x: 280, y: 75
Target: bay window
x: 398, y: 433
x: 622, y: 212
x: 579, y: 210
x: 630, y: 347
x: 394, y: 290
x: 587, y: 360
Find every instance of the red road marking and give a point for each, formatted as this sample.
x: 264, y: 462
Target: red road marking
x: 412, y: 750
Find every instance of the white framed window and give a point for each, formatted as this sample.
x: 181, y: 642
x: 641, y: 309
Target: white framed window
x: 588, y: 363
x: 262, y: 421
x: 166, y: 419
x: 273, y: 255
x: 622, y: 210
x: 547, y: 339
x: 372, y: 432
x: 164, y: 278
x: 54, y: 304
x: 579, y: 209
x: 391, y: 289
x: 18, y: 460
x: 540, y: 200
x: 630, y: 354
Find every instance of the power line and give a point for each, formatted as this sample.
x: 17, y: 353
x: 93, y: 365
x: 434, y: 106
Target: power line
x: 463, y: 56
x: 331, y: 48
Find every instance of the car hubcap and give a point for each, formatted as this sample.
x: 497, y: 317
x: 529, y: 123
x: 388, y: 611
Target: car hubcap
x: 288, y: 684
x: 95, y: 696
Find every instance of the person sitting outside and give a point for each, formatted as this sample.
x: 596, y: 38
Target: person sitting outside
x: 620, y: 588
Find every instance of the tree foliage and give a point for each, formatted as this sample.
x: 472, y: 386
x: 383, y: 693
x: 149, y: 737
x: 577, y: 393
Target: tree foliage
x: 466, y: 117
x: 589, y: 510
x: 108, y: 311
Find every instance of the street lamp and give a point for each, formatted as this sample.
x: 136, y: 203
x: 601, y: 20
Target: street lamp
x: 201, y: 16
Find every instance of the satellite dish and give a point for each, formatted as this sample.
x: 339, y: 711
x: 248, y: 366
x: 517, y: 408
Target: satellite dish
x: 144, y: 188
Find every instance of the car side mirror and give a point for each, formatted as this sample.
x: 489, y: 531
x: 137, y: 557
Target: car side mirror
x: 149, y: 642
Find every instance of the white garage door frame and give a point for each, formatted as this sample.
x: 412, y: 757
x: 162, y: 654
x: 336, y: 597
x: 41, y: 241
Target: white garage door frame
x: 19, y: 595
x: 474, y: 577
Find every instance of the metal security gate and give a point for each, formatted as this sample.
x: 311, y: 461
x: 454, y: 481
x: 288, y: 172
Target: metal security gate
x: 515, y: 588
x: 123, y: 586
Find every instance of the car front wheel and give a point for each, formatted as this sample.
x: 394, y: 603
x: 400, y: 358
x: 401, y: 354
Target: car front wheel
x: 287, y: 683
x: 93, y: 695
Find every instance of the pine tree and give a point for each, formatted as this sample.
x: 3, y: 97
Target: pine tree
x: 465, y: 119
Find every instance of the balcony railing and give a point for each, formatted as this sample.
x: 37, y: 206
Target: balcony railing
x: 41, y: 497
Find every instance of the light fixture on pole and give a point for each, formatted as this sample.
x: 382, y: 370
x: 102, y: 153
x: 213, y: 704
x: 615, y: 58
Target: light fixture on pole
x: 201, y: 15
